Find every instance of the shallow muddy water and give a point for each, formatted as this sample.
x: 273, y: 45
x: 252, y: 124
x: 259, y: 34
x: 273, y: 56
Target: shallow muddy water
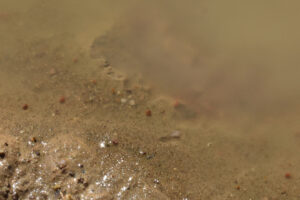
x: 149, y: 100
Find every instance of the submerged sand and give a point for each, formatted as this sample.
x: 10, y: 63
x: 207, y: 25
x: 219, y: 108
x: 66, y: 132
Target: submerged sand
x: 92, y: 131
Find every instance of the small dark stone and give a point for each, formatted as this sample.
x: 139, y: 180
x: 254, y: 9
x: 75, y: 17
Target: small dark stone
x: 25, y: 106
x: 72, y: 174
x: 2, y: 155
x: 86, y: 184
x: 80, y: 180
x: 6, y: 195
x: 115, y: 142
x: 33, y: 139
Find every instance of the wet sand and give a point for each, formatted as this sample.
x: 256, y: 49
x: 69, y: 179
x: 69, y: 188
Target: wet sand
x: 78, y: 126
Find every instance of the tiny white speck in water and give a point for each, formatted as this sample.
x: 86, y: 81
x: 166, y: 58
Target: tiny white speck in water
x: 124, y: 188
x: 102, y: 144
x: 1, y: 163
x: 104, y: 177
x: 44, y: 143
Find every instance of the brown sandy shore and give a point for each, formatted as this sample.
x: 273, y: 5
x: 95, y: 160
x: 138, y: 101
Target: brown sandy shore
x: 74, y: 127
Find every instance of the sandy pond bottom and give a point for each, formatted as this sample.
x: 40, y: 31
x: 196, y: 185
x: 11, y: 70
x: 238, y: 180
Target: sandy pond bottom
x: 89, y: 131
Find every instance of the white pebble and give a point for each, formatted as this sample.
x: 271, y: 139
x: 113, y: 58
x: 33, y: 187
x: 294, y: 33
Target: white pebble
x: 123, y: 100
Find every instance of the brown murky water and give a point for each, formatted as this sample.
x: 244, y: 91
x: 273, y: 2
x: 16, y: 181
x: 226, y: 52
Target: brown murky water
x: 149, y: 100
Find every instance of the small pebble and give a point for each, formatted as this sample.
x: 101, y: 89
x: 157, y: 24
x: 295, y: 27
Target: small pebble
x: 288, y: 176
x: 2, y: 154
x: 72, y: 174
x: 132, y: 102
x: 148, y: 113
x: 115, y: 142
x: 176, y: 104
x: 25, y: 106
x: 175, y: 134
x: 62, y: 100
x: 123, y: 100
x: 33, y: 139
x: 113, y: 91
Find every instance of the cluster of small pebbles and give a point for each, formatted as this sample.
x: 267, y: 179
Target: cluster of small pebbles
x: 67, y: 168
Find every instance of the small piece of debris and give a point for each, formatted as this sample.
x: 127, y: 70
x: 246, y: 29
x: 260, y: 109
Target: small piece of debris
x: 25, y: 106
x: 113, y: 91
x: 37, y: 153
x: 62, y: 100
x: 2, y: 154
x: 80, y: 180
x: 288, y: 176
x: 132, y: 102
x: 62, y: 164
x: 173, y: 135
x: 72, y: 174
x: 148, y: 113
x: 156, y: 181
x: 177, y: 104
x: 80, y: 165
x: 150, y: 156
x: 115, y: 142
x: 102, y: 144
x: 33, y: 139
x: 123, y: 100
